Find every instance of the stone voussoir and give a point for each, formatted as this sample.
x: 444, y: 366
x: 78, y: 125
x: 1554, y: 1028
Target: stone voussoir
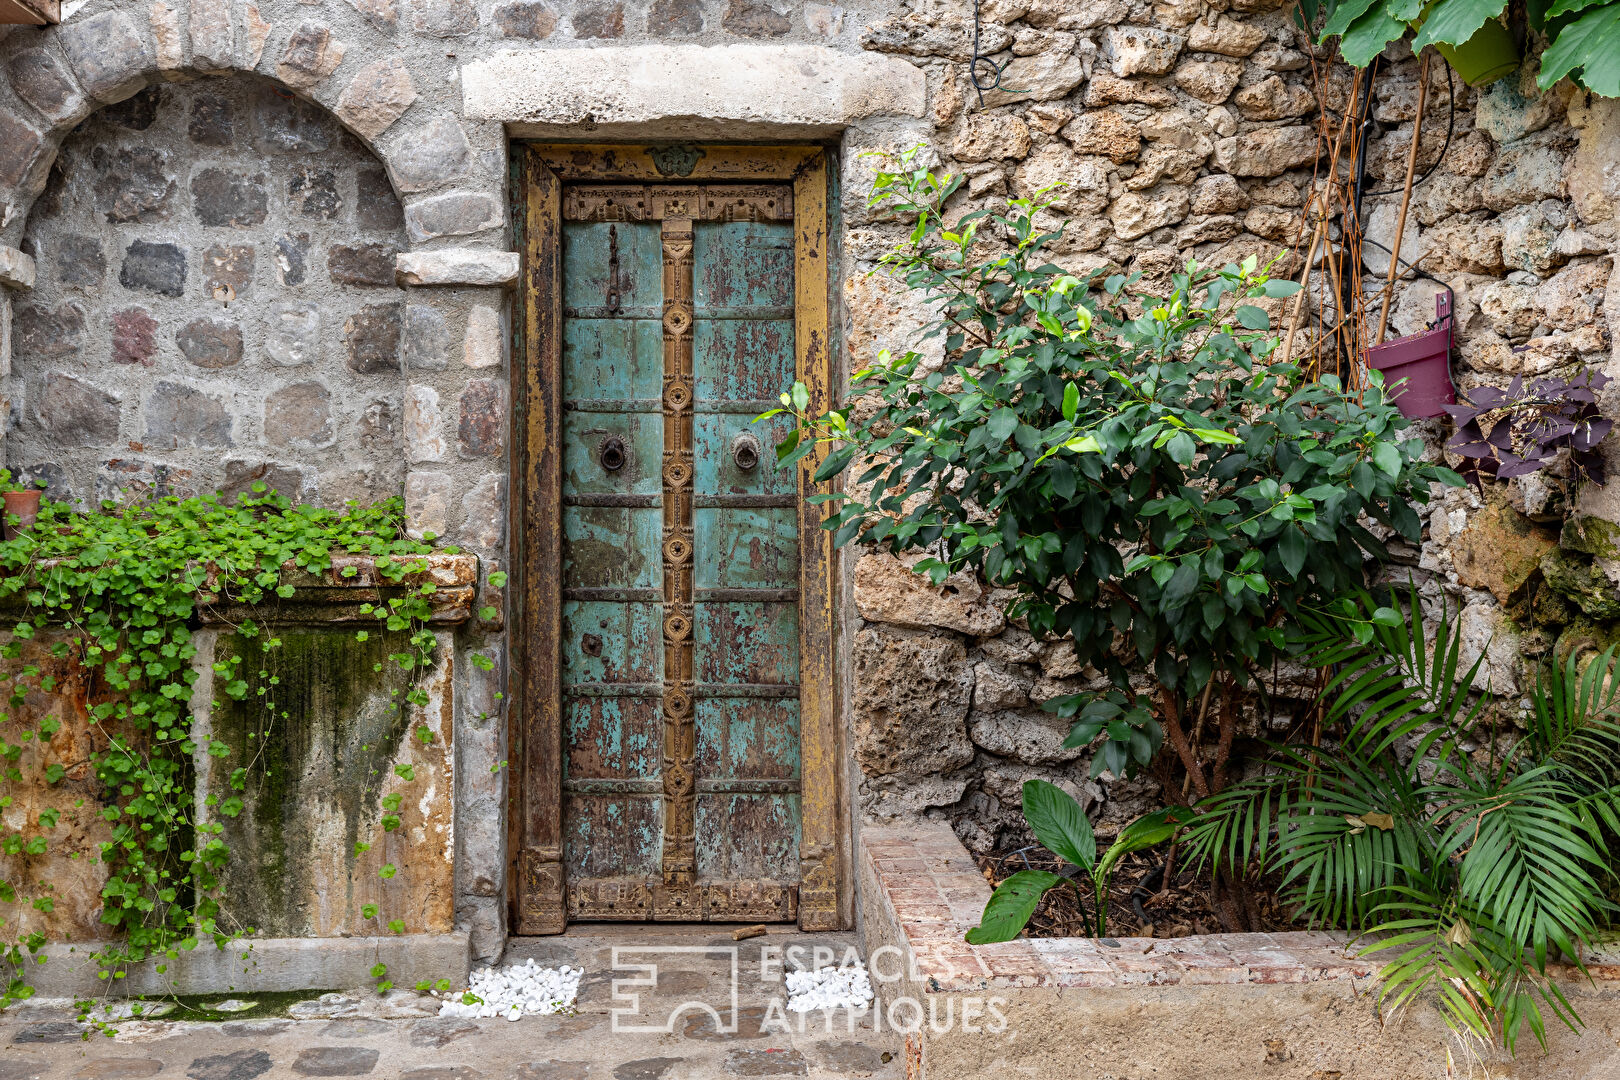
x: 16, y: 268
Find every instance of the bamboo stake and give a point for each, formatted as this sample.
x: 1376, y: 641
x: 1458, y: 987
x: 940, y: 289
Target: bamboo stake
x: 1406, y: 200
x: 1304, y: 283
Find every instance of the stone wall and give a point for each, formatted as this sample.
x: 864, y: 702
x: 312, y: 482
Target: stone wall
x: 148, y: 349
x: 215, y: 304
x: 1187, y: 128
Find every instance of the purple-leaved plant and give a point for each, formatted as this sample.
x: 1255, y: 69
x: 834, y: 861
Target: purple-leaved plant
x: 1529, y: 424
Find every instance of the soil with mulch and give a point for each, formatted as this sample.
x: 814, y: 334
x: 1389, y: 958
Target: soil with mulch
x: 1181, y: 910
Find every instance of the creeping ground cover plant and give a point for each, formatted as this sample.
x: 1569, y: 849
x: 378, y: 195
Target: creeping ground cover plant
x: 1144, y: 471
x: 115, y: 593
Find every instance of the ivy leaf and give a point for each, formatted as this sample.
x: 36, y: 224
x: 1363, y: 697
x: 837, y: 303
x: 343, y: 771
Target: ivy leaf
x: 1011, y: 905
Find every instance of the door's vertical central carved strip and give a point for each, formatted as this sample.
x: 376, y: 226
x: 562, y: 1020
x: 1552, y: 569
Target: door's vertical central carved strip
x: 677, y: 897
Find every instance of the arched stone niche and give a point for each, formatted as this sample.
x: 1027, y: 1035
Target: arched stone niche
x: 372, y: 89
x: 214, y: 304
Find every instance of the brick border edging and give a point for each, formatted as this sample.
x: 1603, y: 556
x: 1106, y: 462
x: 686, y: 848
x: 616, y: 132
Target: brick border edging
x: 932, y: 893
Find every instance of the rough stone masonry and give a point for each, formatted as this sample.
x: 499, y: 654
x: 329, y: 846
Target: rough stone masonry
x: 270, y: 239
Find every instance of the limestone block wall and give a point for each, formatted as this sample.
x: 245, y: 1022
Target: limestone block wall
x: 148, y: 148
x: 1187, y: 129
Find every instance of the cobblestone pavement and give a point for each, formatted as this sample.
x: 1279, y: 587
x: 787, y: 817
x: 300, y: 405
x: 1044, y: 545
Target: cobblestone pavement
x: 400, y: 1038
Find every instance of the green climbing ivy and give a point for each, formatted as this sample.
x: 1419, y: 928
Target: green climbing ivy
x: 120, y: 589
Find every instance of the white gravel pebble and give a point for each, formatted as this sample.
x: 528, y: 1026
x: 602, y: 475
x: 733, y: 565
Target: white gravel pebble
x: 515, y: 991
x: 829, y: 988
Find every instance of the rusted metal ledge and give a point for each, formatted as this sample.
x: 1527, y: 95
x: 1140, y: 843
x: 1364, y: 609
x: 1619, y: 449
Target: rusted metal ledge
x: 332, y: 597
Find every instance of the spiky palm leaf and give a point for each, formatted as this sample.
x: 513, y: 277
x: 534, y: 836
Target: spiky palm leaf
x: 1488, y: 864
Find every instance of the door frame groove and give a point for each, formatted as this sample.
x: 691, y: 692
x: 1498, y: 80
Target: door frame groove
x: 536, y: 882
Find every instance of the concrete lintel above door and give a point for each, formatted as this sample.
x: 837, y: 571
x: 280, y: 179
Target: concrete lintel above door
x: 689, y: 91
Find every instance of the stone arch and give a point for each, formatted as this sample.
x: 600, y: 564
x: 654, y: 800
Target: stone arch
x: 379, y: 81
x: 450, y: 181
x: 215, y: 303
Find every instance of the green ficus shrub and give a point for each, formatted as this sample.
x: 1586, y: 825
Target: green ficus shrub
x: 1145, y: 471
x: 120, y: 588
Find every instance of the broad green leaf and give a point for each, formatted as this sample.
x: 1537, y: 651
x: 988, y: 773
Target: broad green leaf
x: 1071, y: 401
x: 1011, y: 905
x: 1252, y: 317
x: 1387, y: 458
x: 1291, y: 548
x: 1591, y: 46
x: 1367, y: 36
x: 1059, y: 823
x: 1453, y: 22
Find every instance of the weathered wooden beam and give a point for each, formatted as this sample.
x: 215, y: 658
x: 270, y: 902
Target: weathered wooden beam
x: 31, y: 12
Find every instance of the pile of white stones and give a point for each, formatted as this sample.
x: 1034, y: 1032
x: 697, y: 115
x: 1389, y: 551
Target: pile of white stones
x: 829, y: 988
x: 515, y: 991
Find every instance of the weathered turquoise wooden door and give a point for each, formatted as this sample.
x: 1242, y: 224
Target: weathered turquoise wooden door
x: 680, y: 571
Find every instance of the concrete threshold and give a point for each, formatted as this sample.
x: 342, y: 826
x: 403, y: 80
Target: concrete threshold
x: 260, y: 965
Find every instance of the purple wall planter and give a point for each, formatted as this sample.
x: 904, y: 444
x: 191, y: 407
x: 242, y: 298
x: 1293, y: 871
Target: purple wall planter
x: 1424, y: 361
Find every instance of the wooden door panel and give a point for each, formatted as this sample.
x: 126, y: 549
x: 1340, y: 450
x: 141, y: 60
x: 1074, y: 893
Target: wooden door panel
x: 589, y: 250
x: 641, y: 438
x: 681, y: 745
x: 744, y: 264
x: 610, y: 546
x: 613, y: 360
x: 714, y: 439
x: 748, y: 641
x: 753, y: 548
x: 748, y: 739
x: 606, y: 641
x: 747, y: 837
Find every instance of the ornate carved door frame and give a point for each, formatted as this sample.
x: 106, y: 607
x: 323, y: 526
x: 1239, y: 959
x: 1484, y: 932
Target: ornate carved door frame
x: 538, y: 888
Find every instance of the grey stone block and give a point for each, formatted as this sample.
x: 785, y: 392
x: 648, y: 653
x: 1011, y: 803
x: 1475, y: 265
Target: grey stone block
x: 293, y: 332
x: 75, y: 413
x: 178, y: 415
x: 425, y: 343
x: 133, y: 185
x: 299, y: 416
x: 457, y: 213
x: 16, y: 268
x: 159, y: 268
x: 78, y: 259
x: 48, y: 332
x: 372, y: 338
x: 313, y: 193
x: 532, y: 20
x: 229, y: 197
x: 429, y: 156
x: 457, y: 266
x: 211, y: 343
x: 20, y: 146
x: 108, y: 54
x: 44, y: 82
x: 366, y: 264
x: 213, y: 121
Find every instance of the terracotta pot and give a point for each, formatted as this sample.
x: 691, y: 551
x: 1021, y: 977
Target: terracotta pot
x: 23, y: 508
x: 1421, y: 364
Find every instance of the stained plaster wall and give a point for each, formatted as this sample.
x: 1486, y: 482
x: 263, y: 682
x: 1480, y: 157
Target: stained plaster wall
x: 1181, y: 128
